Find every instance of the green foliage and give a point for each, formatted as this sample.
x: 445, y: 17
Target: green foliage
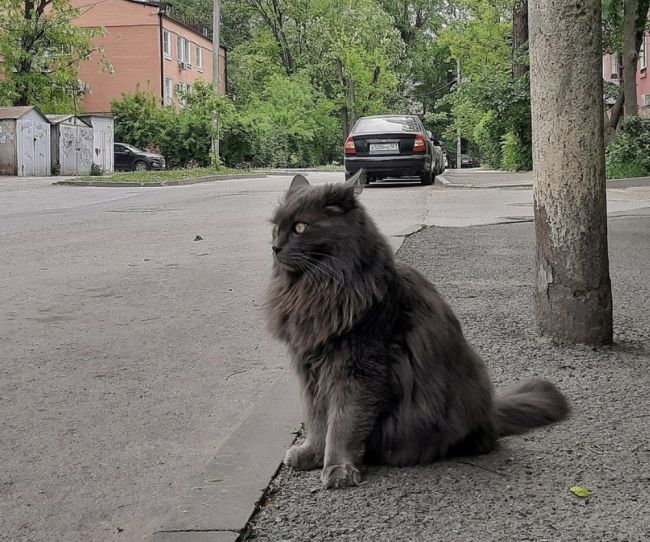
x: 289, y: 124
x: 488, y: 102
x: 41, y: 49
x: 629, y: 154
x: 96, y: 170
x: 488, y: 134
x: 300, y: 72
x: 516, y: 153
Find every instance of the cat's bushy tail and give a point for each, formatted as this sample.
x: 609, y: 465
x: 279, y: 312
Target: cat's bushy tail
x: 530, y: 404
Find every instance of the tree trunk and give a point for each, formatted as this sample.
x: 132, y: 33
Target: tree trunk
x: 573, y: 292
x: 630, y: 56
x: 614, y: 116
x: 519, y: 38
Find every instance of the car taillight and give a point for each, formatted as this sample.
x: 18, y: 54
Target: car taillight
x: 349, y: 147
x: 419, y: 145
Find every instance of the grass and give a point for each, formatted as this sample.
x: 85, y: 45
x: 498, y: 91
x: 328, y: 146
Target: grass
x: 625, y: 170
x: 331, y: 167
x: 145, y: 177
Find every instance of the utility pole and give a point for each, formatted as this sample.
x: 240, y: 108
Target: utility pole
x: 216, y: 72
x: 459, y: 163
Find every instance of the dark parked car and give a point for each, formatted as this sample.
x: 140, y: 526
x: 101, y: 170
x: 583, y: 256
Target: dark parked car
x: 391, y: 146
x: 465, y: 161
x: 130, y: 158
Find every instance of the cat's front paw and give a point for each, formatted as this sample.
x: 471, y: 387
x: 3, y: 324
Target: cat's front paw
x: 338, y: 476
x: 303, y: 457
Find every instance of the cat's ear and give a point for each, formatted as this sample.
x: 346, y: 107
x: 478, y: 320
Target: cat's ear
x: 357, y: 182
x: 345, y: 200
x: 298, y: 182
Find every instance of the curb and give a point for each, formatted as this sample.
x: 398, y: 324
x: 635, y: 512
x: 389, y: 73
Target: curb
x: 227, y: 494
x: 181, y: 182
x: 223, y: 497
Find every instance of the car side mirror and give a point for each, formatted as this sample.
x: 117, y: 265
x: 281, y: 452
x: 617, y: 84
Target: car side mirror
x: 436, y: 142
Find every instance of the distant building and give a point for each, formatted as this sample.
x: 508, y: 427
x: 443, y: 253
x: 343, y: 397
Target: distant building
x: 148, y: 50
x: 612, y: 73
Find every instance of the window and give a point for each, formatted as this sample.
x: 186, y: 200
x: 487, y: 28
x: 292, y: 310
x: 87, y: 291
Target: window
x: 188, y: 53
x: 169, y: 92
x: 184, y: 50
x: 615, y: 67
x: 182, y: 88
x: 180, y: 48
x: 199, y: 58
x: 643, y: 54
x: 167, y: 44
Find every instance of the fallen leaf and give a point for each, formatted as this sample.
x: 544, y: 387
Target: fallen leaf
x: 580, y: 491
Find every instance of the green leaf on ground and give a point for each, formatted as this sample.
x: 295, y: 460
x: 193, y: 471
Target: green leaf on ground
x: 580, y: 491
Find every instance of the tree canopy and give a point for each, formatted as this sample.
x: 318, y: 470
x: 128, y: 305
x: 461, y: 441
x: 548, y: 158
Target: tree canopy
x: 41, y: 49
x: 301, y: 72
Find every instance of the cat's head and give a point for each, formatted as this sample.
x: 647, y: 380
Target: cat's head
x: 321, y: 231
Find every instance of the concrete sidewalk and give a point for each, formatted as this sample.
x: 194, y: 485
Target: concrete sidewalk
x: 521, y: 491
x: 488, y: 178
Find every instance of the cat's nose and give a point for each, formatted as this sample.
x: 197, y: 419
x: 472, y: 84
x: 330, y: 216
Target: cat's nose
x: 276, y: 249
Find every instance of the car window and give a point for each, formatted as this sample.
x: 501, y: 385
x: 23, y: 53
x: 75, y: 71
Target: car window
x: 132, y: 148
x: 119, y: 148
x: 372, y: 125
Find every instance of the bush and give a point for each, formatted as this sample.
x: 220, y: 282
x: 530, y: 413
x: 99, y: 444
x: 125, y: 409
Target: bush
x: 487, y: 135
x: 289, y: 124
x: 629, y: 154
x: 516, y: 153
x: 183, y: 137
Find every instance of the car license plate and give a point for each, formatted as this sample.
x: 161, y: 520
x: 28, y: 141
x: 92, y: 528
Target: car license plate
x: 384, y: 147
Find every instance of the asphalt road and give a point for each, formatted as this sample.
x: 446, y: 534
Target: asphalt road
x: 131, y: 351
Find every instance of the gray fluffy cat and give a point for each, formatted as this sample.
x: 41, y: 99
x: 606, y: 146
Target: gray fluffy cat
x: 386, y: 373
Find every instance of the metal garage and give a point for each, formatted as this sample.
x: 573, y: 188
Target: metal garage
x: 102, y: 124
x: 72, y: 144
x: 24, y: 142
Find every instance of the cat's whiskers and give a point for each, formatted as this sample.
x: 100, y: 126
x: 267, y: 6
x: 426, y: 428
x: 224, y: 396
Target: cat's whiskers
x: 310, y: 275
x: 321, y: 263
x: 319, y: 266
x: 327, y: 256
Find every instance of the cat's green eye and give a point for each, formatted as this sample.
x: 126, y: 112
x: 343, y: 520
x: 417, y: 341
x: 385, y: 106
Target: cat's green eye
x: 299, y: 227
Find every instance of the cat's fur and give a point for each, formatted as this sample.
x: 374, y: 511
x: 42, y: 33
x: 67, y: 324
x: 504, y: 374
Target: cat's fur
x: 386, y: 373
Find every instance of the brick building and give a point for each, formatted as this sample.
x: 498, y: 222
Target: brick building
x: 147, y: 49
x: 612, y: 72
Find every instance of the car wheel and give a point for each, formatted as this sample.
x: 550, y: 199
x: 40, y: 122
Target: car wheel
x: 427, y: 178
x: 140, y: 166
